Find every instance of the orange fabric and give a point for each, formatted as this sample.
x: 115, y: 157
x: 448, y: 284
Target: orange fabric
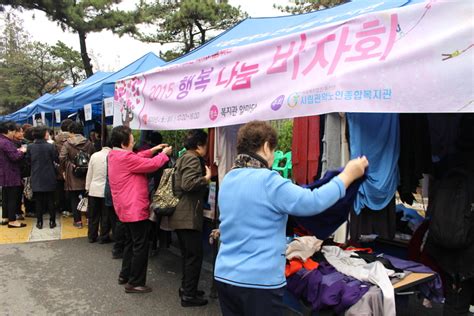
x: 296, y: 265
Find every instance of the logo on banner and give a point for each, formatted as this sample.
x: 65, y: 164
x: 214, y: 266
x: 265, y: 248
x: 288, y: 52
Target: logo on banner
x: 213, y: 113
x: 278, y: 102
x: 293, y: 100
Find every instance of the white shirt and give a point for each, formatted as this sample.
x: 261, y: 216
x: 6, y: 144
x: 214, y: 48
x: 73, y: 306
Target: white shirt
x: 96, y: 173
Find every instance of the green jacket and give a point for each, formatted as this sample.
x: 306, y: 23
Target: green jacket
x: 190, y: 186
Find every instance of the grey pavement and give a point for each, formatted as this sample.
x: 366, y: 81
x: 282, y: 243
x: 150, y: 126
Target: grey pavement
x: 73, y: 277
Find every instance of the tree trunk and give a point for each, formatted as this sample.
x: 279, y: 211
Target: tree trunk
x: 85, y: 56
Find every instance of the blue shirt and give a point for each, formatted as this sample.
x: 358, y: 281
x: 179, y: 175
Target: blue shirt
x: 254, y: 206
x: 377, y: 136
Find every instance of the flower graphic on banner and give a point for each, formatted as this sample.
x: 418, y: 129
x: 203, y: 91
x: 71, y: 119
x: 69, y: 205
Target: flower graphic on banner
x: 128, y: 93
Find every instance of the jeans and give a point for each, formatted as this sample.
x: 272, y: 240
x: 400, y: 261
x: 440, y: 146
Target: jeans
x: 135, y: 253
x: 44, y: 202
x: 190, y: 242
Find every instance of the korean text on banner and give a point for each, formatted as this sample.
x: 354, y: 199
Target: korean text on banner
x: 398, y: 60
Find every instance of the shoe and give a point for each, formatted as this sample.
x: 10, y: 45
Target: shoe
x: 104, y: 241
x: 199, y: 293
x: 92, y: 240
x: 137, y: 289
x: 122, y: 281
x: 20, y: 217
x: 188, y: 301
x: 52, y: 225
x: 77, y: 224
x: 30, y: 214
x: 117, y: 255
x: 4, y: 221
x: 67, y: 214
x: 13, y: 226
x: 39, y: 225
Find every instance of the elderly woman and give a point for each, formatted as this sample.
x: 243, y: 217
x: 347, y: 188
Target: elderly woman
x: 127, y: 173
x: 255, y: 203
x: 43, y: 158
x: 10, y: 174
x: 192, y: 179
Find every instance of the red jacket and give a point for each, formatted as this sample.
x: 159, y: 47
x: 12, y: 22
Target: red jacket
x: 127, y: 172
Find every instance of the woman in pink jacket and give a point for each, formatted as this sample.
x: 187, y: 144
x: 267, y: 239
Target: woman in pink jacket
x: 127, y: 172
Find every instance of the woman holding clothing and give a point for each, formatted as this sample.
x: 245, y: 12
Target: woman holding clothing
x: 254, y: 204
x: 127, y: 174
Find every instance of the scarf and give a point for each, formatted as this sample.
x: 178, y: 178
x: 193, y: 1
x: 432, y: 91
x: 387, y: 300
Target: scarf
x: 250, y: 161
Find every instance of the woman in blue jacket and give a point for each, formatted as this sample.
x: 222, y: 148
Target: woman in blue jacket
x: 254, y: 206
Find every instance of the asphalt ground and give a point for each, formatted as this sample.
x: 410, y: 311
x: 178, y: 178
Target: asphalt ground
x: 73, y: 277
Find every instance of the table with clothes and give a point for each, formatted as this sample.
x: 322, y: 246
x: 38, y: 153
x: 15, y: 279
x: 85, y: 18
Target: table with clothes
x: 352, y: 281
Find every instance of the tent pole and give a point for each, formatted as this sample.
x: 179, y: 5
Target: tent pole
x: 102, y: 127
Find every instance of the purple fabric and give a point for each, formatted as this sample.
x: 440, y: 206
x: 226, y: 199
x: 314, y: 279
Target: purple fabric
x: 432, y: 290
x: 10, y: 157
x: 327, y: 222
x: 326, y: 288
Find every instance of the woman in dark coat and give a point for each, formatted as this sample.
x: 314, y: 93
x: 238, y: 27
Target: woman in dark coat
x: 191, y: 182
x: 43, y: 157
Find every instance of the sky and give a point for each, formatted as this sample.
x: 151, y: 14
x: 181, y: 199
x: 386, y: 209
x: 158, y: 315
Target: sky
x: 108, y: 51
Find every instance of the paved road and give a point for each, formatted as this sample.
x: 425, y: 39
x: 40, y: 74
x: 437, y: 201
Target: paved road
x: 73, y: 277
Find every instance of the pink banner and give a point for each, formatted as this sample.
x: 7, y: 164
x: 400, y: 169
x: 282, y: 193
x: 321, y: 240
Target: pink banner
x: 418, y: 58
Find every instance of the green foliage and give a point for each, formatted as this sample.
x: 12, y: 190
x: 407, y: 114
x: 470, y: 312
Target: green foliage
x: 30, y: 69
x: 70, y: 61
x: 175, y: 139
x: 83, y: 17
x: 186, y: 22
x: 285, y: 134
x: 304, y: 6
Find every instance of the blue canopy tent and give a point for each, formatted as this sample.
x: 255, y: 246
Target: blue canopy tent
x: 254, y: 30
x: 102, y: 89
x: 22, y: 115
x: 63, y: 101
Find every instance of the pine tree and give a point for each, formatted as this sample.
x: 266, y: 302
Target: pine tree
x: 305, y: 6
x: 188, y: 23
x: 83, y: 17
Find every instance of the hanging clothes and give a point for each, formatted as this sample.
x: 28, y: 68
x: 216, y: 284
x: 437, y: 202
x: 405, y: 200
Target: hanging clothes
x: 332, y: 143
x: 415, y: 154
x: 225, y: 150
x: 326, y: 223
x: 335, y: 154
x: 211, y: 147
x: 306, y: 149
x: 377, y: 137
x: 368, y: 222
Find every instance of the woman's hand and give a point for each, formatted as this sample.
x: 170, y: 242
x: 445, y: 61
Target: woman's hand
x: 354, y: 170
x: 159, y: 147
x: 208, y: 174
x: 168, y: 150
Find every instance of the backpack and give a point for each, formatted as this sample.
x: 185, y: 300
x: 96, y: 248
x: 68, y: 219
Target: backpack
x: 451, y: 207
x: 164, y: 200
x: 81, y: 164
